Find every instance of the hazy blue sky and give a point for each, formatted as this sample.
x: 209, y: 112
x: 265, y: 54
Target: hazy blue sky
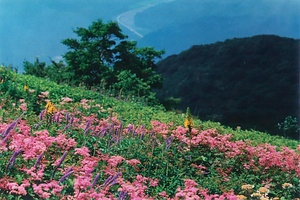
x: 30, y: 28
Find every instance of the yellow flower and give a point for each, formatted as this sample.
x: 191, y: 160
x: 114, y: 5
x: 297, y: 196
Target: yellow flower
x: 241, y: 197
x: 264, y: 198
x: 50, y: 108
x: 188, y: 123
x: 263, y: 190
x: 287, y: 185
x: 247, y: 187
x: 26, y: 88
x: 256, y: 194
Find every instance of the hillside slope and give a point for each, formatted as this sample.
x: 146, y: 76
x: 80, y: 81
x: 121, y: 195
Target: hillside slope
x: 249, y: 82
x: 83, y: 144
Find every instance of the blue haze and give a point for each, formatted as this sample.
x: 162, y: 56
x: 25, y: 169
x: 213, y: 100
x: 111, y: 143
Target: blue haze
x: 35, y: 28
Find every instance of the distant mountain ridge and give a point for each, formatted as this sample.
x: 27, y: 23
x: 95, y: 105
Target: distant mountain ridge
x: 178, y: 25
x: 251, y: 82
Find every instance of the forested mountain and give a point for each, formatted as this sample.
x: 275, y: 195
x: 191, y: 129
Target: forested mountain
x: 248, y: 82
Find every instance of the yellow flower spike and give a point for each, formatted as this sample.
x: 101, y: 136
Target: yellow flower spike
x: 26, y: 88
x: 50, y: 108
x: 188, y: 122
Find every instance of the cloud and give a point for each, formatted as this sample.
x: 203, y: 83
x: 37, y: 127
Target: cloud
x: 57, y: 58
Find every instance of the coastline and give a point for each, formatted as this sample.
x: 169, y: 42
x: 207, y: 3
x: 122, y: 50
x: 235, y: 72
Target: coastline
x: 126, y: 19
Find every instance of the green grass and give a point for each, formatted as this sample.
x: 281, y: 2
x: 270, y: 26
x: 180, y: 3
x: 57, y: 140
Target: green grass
x: 132, y: 111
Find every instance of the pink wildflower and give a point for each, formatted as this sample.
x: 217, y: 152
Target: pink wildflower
x: 44, y: 190
x: 84, y: 103
x: 43, y: 95
x: 35, y: 174
x: 154, y: 182
x: 82, y: 182
x: 15, y: 188
x: 163, y: 194
x: 159, y: 127
x: 135, y: 190
x: 84, y: 151
x: 133, y: 162
x: 23, y: 107
x: 66, y: 100
x: 64, y: 143
x: 115, y: 160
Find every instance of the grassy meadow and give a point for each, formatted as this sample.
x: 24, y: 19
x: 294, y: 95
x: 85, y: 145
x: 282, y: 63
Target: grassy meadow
x: 62, y: 142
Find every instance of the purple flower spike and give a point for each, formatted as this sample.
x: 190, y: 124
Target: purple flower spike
x: 41, y: 115
x: 10, y: 127
x: 95, y: 180
x: 60, y: 162
x: 110, y: 181
x: 62, y: 159
x: 130, y: 128
x: 169, y: 142
x: 5, y: 139
x: 66, y: 175
x: 38, y: 160
x: 72, y: 119
x: 67, y: 127
x: 102, y: 132
x: 37, y: 126
x: 142, y: 136
x: 57, y: 117
x: 12, y: 160
x: 87, y: 127
x: 67, y: 118
x: 122, y: 195
x: 6, y: 132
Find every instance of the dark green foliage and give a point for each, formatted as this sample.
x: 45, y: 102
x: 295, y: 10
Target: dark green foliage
x: 90, y: 58
x: 248, y: 82
x: 140, y: 61
x: 37, y: 68
x: 103, y: 55
x: 58, y: 73
x: 289, y: 126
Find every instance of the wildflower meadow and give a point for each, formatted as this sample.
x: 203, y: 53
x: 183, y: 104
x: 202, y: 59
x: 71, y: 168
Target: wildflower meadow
x: 59, y: 142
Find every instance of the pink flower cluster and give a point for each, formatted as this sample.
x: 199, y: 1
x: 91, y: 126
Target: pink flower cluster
x: 192, y: 192
x: 268, y: 156
x: 45, y: 190
x: 160, y: 128
x: 137, y: 189
x: 15, y: 188
x: 82, y: 166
